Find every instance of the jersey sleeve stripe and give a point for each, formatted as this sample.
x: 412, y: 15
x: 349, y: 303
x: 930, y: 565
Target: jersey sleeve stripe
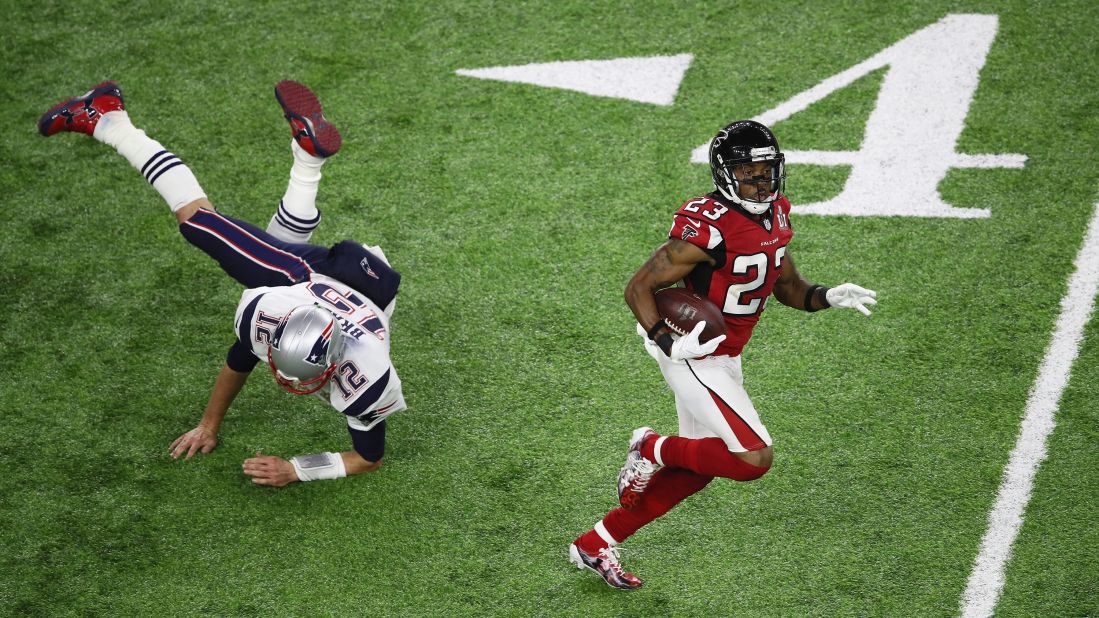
x: 244, y: 327
x: 715, y: 237
x: 369, y: 397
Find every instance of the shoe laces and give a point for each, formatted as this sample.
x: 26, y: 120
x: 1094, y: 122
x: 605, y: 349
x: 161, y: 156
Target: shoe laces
x: 609, y: 556
x: 642, y: 473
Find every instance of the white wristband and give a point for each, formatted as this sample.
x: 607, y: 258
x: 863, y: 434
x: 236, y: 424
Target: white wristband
x: 319, y: 466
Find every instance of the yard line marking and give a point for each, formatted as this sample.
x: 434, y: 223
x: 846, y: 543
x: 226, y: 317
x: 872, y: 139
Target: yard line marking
x: 1004, y: 520
x: 652, y: 79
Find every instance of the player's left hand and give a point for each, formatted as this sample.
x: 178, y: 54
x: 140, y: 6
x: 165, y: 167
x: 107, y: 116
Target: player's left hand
x: 270, y: 470
x: 689, y: 347
x: 851, y: 296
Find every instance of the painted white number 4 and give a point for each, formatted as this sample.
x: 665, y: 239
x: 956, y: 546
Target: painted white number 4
x: 908, y: 145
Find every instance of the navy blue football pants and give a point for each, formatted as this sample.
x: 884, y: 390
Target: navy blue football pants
x: 257, y: 259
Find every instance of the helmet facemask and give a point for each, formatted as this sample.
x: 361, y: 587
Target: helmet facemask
x: 739, y: 144
x: 305, y: 349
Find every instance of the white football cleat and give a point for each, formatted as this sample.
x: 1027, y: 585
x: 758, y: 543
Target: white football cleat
x: 607, y: 565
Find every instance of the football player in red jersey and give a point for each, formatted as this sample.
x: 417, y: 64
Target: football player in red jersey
x: 729, y: 246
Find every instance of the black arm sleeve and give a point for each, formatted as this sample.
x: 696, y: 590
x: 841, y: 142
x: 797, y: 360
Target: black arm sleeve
x: 240, y: 358
x: 369, y: 444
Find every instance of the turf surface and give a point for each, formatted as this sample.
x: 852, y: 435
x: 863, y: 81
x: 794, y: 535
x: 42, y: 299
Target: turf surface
x: 517, y: 214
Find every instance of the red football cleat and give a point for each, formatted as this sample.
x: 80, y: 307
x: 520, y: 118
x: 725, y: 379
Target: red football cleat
x: 605, y: 562
x: 82, y: 113
x: 634, y: 476
x: 311, y: 129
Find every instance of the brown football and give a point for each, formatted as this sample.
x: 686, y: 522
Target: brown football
x: 682, y: 309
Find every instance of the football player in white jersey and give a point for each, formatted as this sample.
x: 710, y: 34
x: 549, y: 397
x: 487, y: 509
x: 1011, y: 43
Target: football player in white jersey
x: 318, y: 316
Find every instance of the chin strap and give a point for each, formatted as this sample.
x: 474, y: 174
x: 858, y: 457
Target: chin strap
x: 741, y: 203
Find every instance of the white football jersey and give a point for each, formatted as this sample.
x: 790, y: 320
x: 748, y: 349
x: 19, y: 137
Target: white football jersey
x: 365, y: 386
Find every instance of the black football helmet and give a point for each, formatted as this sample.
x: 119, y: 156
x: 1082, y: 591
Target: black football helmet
x: 747, y: 141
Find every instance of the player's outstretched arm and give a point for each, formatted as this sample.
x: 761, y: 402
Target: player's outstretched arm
x: 791, y: 287
x: 793, y: 290
x: 278, y: 472
x: 356, y: 464
x: 204, y: 437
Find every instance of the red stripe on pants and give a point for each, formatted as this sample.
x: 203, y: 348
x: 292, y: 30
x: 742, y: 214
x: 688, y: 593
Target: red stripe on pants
x: 744, y: 433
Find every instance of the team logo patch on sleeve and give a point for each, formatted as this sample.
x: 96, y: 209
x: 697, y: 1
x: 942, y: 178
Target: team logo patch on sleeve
x: 365, y: 263
x: 688, y: 233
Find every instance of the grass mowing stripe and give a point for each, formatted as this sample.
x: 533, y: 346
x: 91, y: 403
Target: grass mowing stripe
x: 987, y: 579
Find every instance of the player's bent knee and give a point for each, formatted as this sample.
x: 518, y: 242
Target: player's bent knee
x: 753, y: 473
x: 189, y: 210
x: 760, y: 458
x: 752, y: 464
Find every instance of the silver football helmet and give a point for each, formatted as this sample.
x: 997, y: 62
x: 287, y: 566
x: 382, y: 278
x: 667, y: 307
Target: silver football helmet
x: 305, y: 349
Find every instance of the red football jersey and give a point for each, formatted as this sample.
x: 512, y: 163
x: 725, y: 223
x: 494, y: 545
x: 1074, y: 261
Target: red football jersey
x: 748, y: 256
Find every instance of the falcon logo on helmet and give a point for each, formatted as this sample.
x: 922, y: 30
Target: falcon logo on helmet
x: 740, y: 143
x: 305, y: 349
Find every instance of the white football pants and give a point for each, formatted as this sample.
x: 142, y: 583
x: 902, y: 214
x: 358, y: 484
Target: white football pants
x: 711, y: 401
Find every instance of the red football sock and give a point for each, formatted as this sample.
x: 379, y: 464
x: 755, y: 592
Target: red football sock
x: 648, y: 447
x: 705, y: 456
x: 590, y: 542
x: 668, y: 487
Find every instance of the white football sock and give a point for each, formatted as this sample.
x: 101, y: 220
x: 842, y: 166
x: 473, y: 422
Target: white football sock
x: 162, y: 169
x: 656, y: 449
x: 297, y: 215
x: 604, y: 534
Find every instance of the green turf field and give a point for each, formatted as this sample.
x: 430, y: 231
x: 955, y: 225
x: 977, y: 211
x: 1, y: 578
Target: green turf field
x: 517, y: 214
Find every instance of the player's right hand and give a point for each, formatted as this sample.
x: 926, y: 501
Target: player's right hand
x: 651, y: 348
x: 688, y: 346
x: 199, y: 439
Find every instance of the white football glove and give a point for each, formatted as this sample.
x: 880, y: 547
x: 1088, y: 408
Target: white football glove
x: 651, y: 348
x: 851, y: 296
x: 688, y: 346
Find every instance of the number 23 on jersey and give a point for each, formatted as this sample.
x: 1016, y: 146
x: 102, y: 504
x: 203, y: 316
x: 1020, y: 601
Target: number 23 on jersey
x: 743, y: 299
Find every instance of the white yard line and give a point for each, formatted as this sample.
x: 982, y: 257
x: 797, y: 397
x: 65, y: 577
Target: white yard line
x: 987, y: 579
